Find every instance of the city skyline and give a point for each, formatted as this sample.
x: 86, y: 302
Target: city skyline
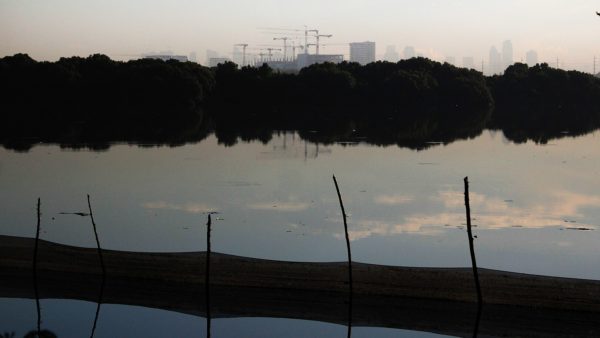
x: 438, y: 30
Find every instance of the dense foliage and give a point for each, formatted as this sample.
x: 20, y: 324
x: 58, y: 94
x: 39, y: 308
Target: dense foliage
x: 96, y: 98
x: 389, y: 103
x: 541, y: 102
x: 409, y: 103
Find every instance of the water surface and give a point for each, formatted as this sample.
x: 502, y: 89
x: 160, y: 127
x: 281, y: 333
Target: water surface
x: 536, y: 208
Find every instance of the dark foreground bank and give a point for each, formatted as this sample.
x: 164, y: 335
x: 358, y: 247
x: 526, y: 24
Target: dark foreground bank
x: 426, y: 299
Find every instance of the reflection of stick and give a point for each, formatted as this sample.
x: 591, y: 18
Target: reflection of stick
x: 35, y: 284
x: 477, y: 320
x: 207, y: 276
x: 349, y: 256
x: 101, y: 265
x: 471, y: 248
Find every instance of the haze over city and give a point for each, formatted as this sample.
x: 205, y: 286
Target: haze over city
x: 437, y: 29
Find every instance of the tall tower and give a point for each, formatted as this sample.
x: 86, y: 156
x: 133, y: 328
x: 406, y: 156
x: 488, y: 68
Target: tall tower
x: 495, y: 61
x: 507, y: 54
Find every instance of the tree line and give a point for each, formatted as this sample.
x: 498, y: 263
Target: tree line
x: 97, y: 100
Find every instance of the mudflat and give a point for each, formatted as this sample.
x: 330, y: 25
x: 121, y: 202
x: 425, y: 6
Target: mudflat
x: 433, y: 299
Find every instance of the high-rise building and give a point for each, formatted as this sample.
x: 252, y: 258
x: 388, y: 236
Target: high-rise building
x: 495, y: 61
x: 507, y: 54
x: 362, y: 52
x: 531, y: 58
x: 391, y: 54
x: 409, y: 52
x: 468, y: 62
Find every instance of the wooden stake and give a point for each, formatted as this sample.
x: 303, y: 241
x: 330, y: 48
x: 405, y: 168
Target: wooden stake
x: 471, y: 248
x: 99, y: 248
x: 96, y: 235
x: 35, y: 283
x: 207, y: 276
x: 337, y: 188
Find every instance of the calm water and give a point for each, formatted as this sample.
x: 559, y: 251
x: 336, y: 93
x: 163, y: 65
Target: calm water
x: 278, y: 201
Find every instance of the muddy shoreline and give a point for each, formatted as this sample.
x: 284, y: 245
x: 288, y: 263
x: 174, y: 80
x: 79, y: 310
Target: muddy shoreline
x: 440, y: 300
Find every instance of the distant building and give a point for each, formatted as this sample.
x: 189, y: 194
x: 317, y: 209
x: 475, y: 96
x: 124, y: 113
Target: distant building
x: 280, y: 65
x: 213, y: 62
x: 210, y: 54
x: 507, y: 54
x: 450, y: 59
x: 409, y: 52
x: 391, y: 54
x: 468, y: 62
x: 495, y: 61
x: 238, y: 56
x: 193, y: 57
x: 362, y: 52
x: 305, y: 60
x: 180, y: 58
x: 531, y: 58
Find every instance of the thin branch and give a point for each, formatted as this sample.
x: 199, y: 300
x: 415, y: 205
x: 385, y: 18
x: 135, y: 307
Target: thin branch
x: 207, y: 277
x: 103, y: 282
x: 471, y: 245
x: 35, y: 279
x: 96, y: 235
x: 350, y: 281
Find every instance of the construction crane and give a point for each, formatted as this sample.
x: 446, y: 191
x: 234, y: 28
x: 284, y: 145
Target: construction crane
x: 285, y: 38
x: 321, y: 36
x: 244, y: 46
x: 294, y: 50
x: 306, y: 31
x: 271, y: 52
x: 316, y: 31
x: 288, y: 34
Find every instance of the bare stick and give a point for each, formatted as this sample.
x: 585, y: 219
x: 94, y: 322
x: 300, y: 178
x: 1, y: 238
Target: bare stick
x: 471, y: 247
x: 337, y: 188
x: 207, y: 277
x: 96, y: 235
x: 103, y: 282
x: 35, y: 283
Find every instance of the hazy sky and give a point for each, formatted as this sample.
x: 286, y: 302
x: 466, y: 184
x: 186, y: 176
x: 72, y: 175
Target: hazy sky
x: 49, y: 29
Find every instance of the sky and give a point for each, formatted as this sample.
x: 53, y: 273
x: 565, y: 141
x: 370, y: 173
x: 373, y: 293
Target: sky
x: 567, y: 31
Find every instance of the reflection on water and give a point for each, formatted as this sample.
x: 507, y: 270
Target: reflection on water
x: 530, y: 203
x: 536, y: 209
x: 73, y: 319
